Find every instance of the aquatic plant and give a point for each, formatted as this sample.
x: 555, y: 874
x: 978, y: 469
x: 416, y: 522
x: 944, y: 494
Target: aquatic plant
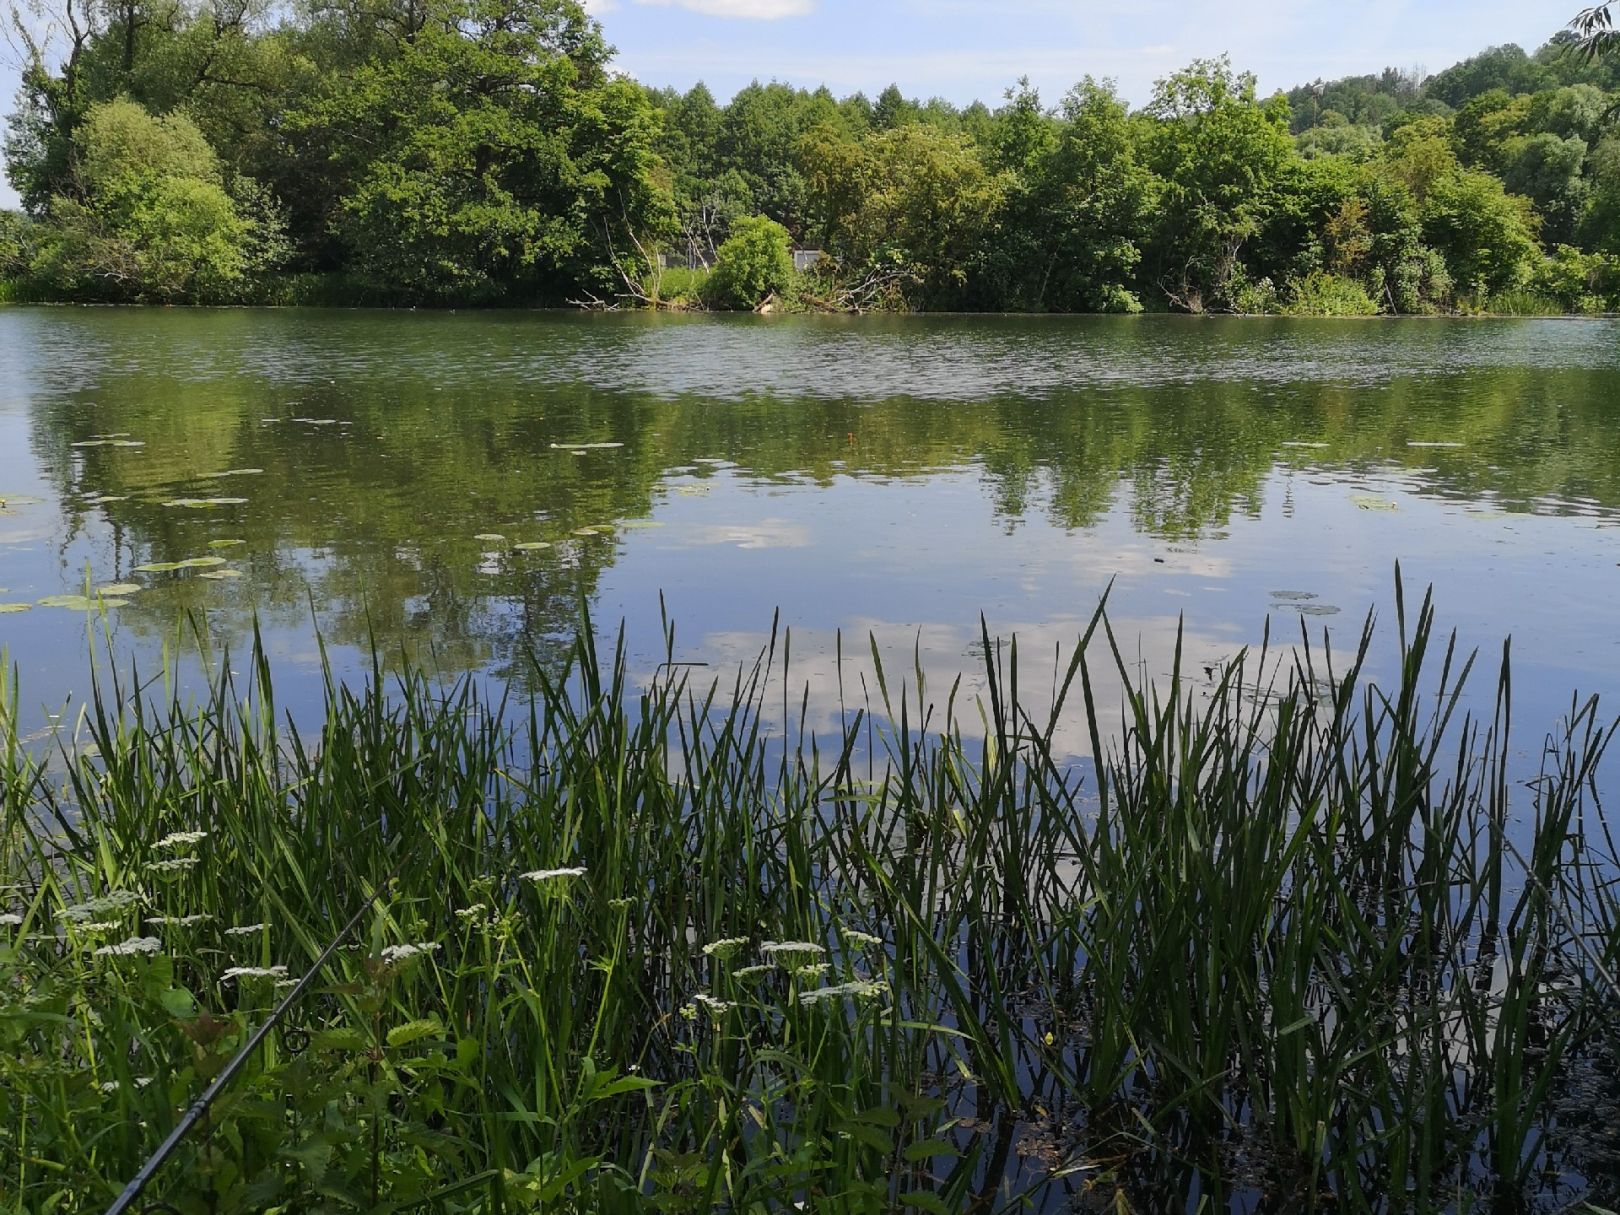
x: 1288, y: 935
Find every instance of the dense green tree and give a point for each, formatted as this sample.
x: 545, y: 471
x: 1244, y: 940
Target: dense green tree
x: 1221, y: 153
x: 1486, y: 235
x: 493, y: 157
x: 150, y: 218
x: 755, y: 263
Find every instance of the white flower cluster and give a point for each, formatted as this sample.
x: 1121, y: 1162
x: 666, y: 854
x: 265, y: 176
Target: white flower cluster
x: 400, y: 953
x: 180, y: 839
x: 244, y: 930
x: 851, y: 937
x: 10, y: 920
x: 550, y: 875
x: 118, y: 900
x: 776, y: 947
x: 177, y: 921
x: 716, y: 1006
x: 862, y: 989
x: 725, y: 947
x: 255, y: 972
x: 173, y: 864
x: 124, y: 949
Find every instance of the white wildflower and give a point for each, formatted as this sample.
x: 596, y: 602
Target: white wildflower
x: 851, y: 937
x: 468, y: 913
x: 749, y: 972
x: 255, y: 972
x: 177, y: 921
x: 862, y: 989
x: 244, y: 930
x: 548, y: 875
x: 118, y: 900
x: 174, y: 864
x: 401, y: 953
x: 10, y: 920
x: 180, y: 839
x: 718, y: 1007
x: 127, y: 948
x: 775, y: 947
x: 724, y: 948
x: 812, y: 970
x: 112, y: 1086
x: 102, y: 926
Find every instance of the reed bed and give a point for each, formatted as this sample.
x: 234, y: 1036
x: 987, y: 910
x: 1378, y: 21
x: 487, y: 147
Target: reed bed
x: 1289, y: 941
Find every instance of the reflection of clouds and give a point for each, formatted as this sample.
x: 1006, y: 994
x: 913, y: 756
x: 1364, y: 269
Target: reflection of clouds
x: 1131, y: 560
x: 766, y: 533
x: 824, y: 692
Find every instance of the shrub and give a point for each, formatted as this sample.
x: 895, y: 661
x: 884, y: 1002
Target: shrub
x: 755, y: 262
x: 1323, y: 294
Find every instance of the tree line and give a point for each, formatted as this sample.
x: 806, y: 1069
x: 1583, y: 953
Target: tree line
x: 485, y: 152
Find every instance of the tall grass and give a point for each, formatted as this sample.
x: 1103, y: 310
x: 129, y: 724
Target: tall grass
x: 1289, y: 940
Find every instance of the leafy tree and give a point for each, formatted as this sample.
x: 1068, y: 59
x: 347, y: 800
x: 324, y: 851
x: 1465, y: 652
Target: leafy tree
x: 1221, y: 154
x: 151, y: 218
x: 755, y: 263
x: 493, y: 158
x: 1548, y: 171
x: 1501, y: 67
x: 1486, y: 235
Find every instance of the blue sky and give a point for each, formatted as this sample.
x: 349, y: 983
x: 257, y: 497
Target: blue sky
x: 967, y: 49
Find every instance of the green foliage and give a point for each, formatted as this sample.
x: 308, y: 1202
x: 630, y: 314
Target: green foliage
x: 1486, y: 235
x: 1579, y: 282
x: 755, y: 263
x: 620, y: 956
x: 1324, y: 294
x: 151, y: 219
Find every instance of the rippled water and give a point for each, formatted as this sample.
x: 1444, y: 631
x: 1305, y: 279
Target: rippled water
x: 897, y: 477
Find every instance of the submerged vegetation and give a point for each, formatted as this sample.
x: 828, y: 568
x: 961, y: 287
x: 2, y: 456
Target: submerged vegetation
x: 474, y: 152
x: 1290, y: 938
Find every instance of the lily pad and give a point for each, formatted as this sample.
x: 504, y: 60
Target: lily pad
x: 157, y: 567
x: 199, y: 563
x: 7, y: 609
x: 1416, y: 443
x: 226, y: 543
x: 1317, y: 609
x: 81, y: 603
x: 317, y: 421
x: 220, y: 575
x: 1311, y: 446
x: 1368, y: 502
x: 1294, y: 596
x: 205, y: 503
x: 19, y: 500
x: 120, y: 589
x: 640, y: 525
x: 532, y: 546
x: 235, y: 472
x: 108, y: 443
x: 591, y: 531
x: 104, y: 499
x: 490, y: 537
x: 579, y: 447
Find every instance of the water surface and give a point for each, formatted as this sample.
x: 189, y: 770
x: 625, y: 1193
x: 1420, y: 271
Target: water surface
x: 888, y: 476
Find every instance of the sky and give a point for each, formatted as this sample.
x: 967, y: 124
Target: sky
x: 964, y: 50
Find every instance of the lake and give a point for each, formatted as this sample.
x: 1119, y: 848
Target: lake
x: 368, y: 474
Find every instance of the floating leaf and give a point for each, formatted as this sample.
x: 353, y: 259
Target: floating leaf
x: 226, y: 543
x: 589, y: 531
x: 235, y: 472
x: 108, y: 443
x: 640, y: 525
x: 1317, y: 609
x: 1368, y: 502
x: 120, y: 588
x: 576, y: 448
x: 1294, y: 596
x: 7, y: 609
x: 490, y: 537
x: 317, y: 421
x: 220, y: 575
x: 204, y: 503
x: 81, y: 603
x: 104, y: 499
x: 1416, y: 443
x: 19, y: 500
x: 157, y: 567
x: 199, y: 563
x: 1312, y: 446
x: 532, y: 546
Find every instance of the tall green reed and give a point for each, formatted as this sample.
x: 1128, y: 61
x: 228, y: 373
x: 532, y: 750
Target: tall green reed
x: 1287, y: 935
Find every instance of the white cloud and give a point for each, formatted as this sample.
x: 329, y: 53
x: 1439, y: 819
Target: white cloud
x: 748, y: 10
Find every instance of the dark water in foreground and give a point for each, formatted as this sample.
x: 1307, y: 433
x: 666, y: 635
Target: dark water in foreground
x: 895, y: 477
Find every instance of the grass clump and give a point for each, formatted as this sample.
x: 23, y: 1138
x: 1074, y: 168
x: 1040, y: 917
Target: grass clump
x: 634, y: 947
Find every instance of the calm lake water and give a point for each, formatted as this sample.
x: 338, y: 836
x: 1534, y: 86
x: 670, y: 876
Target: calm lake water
x: 887, y: 476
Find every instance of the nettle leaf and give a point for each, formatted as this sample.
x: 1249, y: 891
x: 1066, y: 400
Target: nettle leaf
x: 415, y: 1031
